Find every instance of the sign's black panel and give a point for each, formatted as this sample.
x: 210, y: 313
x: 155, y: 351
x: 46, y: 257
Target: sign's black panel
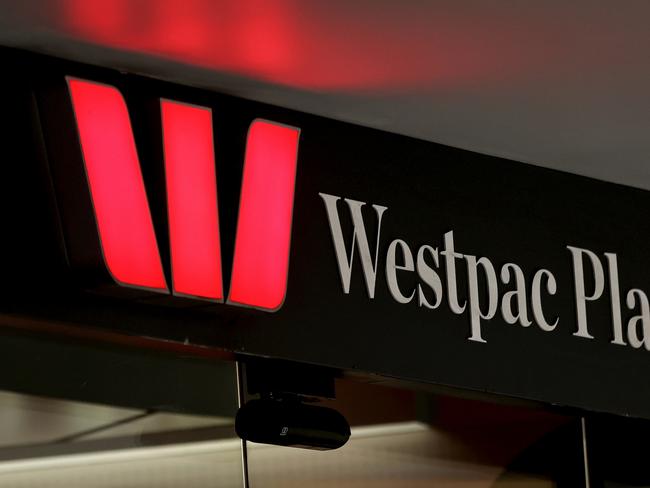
x: 576, y: 332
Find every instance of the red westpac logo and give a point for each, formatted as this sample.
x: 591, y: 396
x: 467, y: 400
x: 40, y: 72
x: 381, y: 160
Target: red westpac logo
x: 125, y: 227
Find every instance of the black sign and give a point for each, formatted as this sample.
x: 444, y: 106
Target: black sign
x: 407, y: 259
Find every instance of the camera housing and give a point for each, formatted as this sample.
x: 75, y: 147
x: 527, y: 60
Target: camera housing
x: 289, y: 422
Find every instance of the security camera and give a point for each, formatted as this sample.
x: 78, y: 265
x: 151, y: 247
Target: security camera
x: 288, y: 422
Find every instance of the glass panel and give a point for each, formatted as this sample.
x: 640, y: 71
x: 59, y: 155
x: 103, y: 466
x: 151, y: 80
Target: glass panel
x: 163, y: 421
x: 617, y: 453
x: 406, y: 438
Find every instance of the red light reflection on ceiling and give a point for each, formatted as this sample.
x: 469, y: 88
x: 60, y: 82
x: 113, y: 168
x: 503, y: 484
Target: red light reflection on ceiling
x: 192, y: 200
x: 261, y: 260
x: 120, y: 203
x: 299, y: 44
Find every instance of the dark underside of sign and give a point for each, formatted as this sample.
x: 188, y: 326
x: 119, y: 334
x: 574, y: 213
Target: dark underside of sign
x: 408, y: 259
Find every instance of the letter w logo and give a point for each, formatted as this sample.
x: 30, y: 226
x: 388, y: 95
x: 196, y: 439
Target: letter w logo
x: 125, y: 227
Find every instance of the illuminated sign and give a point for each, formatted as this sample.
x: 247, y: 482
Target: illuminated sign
x: 140, y: 207
x: 124, y: 223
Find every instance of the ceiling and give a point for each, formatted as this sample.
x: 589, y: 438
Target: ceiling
x: 559, y: 84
